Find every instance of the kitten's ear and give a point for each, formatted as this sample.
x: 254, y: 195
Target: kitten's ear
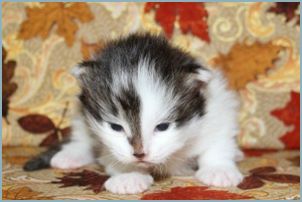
x: 82, y: 68
x: 198, y: 75
x: 77, y: 71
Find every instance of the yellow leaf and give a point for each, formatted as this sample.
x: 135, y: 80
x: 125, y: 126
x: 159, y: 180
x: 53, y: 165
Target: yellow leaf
x: 245, y: 62
x: 40, y: 20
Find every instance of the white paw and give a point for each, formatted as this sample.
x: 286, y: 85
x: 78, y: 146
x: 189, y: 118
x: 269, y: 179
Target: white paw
x: 222, y: 176
x: 129, y: 183
x: 67, y: 160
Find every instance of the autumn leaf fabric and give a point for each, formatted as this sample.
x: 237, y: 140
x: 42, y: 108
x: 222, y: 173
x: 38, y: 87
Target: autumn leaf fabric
x: 256, y: 45
x: 268, y: 176
x: 40, y: 20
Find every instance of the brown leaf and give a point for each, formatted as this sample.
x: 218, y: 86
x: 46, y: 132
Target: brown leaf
x: 36, y: 123
x: 295, y: 160
x: 40, y: 21
x: 288, y: 9
x: 89, y: 179
x: 193, y: 193
x: 245, y: 62
x: 88, y: 49
x: 260, y: 170
x: 8, y: 87
x: 54, y: 138
x: 250, y: 182
x: 22, y: 193
x: 281, y: 178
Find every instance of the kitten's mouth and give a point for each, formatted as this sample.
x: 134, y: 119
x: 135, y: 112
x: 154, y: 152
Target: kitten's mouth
x: 144, y: 164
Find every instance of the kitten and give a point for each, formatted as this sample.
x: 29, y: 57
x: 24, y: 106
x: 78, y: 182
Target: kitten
x: 147, y: 108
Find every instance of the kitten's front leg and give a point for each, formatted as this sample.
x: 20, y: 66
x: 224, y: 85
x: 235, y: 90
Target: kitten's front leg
x: 77, y: 152
x: 217, y: 166
x: 129, y: 183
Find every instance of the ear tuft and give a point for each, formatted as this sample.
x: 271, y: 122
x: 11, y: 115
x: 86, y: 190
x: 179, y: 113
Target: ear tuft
x: 204, y: 75
x: 77, y: 71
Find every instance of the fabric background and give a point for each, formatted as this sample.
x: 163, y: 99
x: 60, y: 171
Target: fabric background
x: 256, y: 44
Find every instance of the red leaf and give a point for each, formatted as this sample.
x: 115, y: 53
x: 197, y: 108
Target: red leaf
x: 290, y: 115
x: 192, y: 17
x: 193, y: 193
x: 257, y: 152
x: 250, y: 182
x: 281, y: 178
x: 288, y: 9
x: 36, y: 123
x: 89, y: 179
x: 261, y: 170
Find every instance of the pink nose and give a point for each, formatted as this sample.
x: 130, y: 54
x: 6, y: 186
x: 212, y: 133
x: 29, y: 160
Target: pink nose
x: 139, y: 155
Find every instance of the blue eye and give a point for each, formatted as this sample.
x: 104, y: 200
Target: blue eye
x: 162, y: 126
x: 116, y: 127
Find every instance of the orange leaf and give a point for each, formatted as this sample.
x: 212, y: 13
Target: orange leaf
x: 290, y: 115
x: 192, y: 17
x: 193, y: 193
x: 40, y: 21
x: 22, y: 193
x: 245, y: 62
x: 88, y: 49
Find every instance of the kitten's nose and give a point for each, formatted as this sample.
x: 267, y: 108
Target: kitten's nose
x: 139, y: 155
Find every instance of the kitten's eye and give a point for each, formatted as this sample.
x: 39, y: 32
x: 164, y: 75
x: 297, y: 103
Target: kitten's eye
x: 162, y: 126
x: 116, y: 127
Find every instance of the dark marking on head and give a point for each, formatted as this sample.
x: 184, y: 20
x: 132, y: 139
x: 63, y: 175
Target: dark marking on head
x: 172, y: 66
x: 130, y: 102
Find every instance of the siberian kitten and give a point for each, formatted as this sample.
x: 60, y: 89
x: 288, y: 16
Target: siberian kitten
x: 149, y: 108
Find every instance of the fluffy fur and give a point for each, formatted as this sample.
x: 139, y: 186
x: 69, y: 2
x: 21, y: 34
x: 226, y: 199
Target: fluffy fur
x: 148, y: 108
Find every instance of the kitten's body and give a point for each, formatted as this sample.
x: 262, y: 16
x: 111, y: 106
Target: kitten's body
x: 147, y: 107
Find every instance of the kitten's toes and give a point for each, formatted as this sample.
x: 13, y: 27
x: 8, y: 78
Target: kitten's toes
x: 66, y: 160
x: 129, y: 183
x: 222, y: 176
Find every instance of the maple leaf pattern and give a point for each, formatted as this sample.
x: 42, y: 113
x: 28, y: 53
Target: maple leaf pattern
x: 193, y: 193
x: 89, y: 179
x: 40, y: 21
x: 288, y: 9
x: 245, y: 62
x: 8, y: 87
x: 290, y: 115
x: 40, y: 124
x: 257, y: 175
x: 192, y: 17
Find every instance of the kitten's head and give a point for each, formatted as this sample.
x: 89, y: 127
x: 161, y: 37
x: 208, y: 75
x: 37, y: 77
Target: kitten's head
x: 141, y: 96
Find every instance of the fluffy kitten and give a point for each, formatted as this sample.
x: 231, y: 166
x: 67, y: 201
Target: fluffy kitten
x: 149, y: 108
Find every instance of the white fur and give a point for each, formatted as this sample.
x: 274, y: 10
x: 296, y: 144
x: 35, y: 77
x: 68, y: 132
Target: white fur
x: 210, y: 139
x: 129, y: 183
x: 78, y: 152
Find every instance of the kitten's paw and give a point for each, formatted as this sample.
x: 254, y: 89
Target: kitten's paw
x: 66, y: 160
x: 129, y: 183
x: 222, y: 176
